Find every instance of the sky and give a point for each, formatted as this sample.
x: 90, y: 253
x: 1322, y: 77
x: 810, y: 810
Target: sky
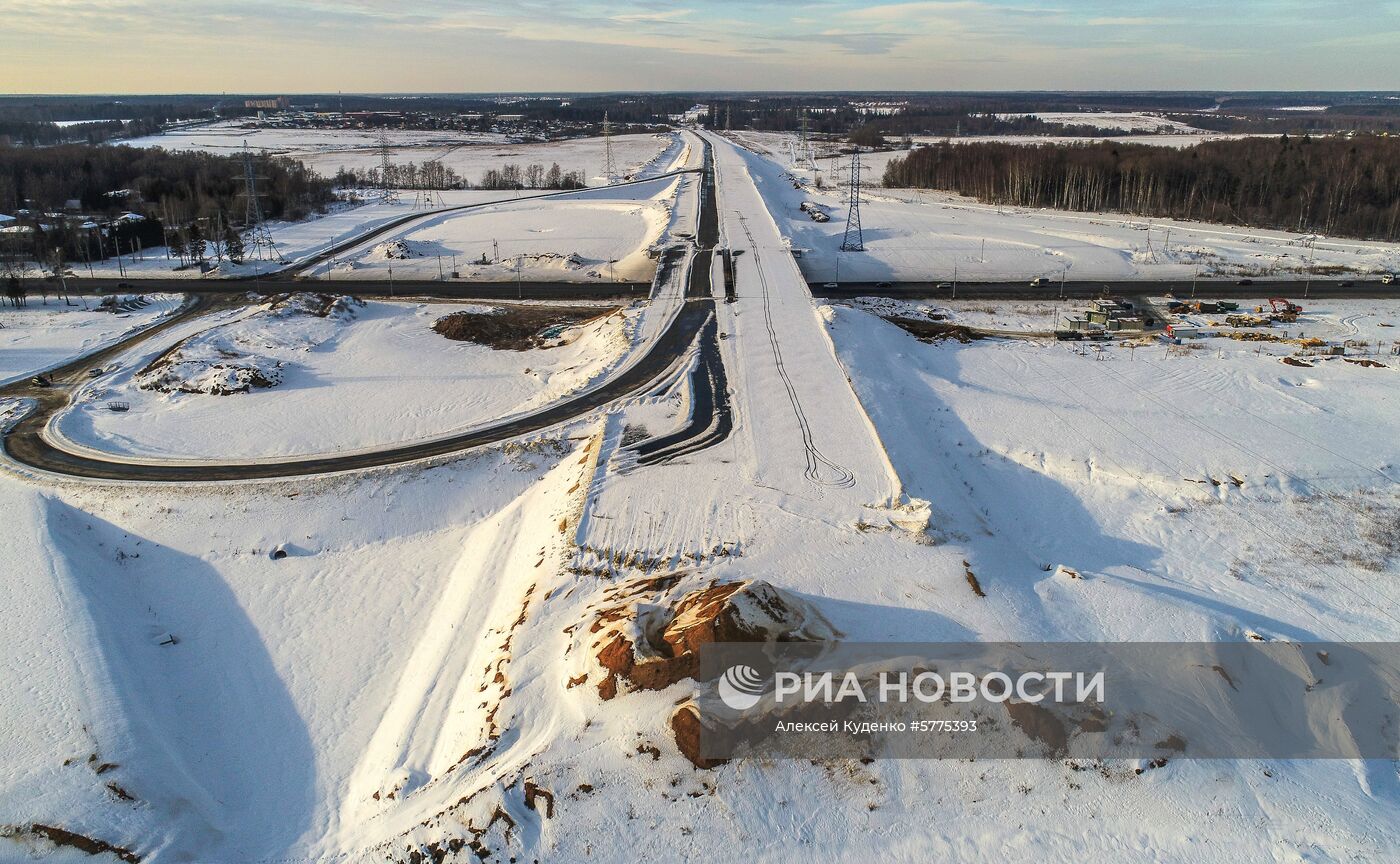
x: 397, y: 46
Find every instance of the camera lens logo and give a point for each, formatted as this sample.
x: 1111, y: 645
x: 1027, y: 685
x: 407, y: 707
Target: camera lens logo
x: 741, y: 687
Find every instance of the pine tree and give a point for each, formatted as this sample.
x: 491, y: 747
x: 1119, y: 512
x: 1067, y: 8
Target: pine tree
x: 233, y: 245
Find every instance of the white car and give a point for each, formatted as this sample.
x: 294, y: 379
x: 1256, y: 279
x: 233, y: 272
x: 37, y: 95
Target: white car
x: 1387, y: 278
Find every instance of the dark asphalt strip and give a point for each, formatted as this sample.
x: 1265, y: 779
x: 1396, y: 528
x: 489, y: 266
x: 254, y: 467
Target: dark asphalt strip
x: 25, y: 443
x: 711, y: 415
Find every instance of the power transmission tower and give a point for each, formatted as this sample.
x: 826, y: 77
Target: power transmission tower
x: 428, y: 197
x: 854, y: 240
x: 806, y: 156
x: 387, y: 193
x: 609, y: 171
x: 264, y: 249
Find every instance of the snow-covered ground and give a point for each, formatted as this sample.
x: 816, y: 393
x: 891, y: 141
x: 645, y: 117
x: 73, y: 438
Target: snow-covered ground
x: 43, y: 335
x: 417, y: 678
x: 1132, y: 121
x: 596, y: 236
x: 469, y: 154
x: 637, y: 156
x: 366, y: 375
x: 228, y: 136
x: 920, y: 236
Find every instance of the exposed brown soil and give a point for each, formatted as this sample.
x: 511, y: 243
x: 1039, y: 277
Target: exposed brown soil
x: 534, y: 793
x: 1369, y: 364
x: 752, y: 611
x: 972, y: 582
x: 1293, y: 361
x: 934, y: 331
x: 518, y: 328
x: 674, y: 628
x: 1041, y: 724
x: 64, y: 837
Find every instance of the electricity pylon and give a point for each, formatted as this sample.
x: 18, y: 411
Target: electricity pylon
x: 854, y: 241
x: 259, y: 236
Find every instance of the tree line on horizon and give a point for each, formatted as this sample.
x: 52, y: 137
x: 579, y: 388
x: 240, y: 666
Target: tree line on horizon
x: 1333, y: 185
x: 436, y: 176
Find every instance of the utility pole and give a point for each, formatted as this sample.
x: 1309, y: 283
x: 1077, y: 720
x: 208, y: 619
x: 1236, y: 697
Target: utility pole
x: 955, y: 281
x: 1312, y: 262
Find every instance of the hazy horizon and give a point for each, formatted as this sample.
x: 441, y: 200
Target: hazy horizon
x: 142, y: 47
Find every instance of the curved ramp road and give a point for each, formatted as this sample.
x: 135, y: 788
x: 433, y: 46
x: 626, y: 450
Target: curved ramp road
x: 26, y: 443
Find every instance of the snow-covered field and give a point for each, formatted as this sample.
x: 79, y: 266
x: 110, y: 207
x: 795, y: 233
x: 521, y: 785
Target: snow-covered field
x: 638, y: 156
x: 1132, y: 121
x: 920, y: 236
x: 417, y: 676
x: 365, y: 375
x: 469, y: 154
x: 595, y: 236
x: 42, y: 335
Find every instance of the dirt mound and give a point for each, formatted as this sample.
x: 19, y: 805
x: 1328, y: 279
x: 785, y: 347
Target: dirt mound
x: 646, y: 646
x: 242, y: 355
x: 652, y: 638
x: 394, y: 250
x: 515, y: 329
x: 340, y: 308
x: 933, y: 331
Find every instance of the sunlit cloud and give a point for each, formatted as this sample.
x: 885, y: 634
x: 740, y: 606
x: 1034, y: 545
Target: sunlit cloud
x: 395, y: 46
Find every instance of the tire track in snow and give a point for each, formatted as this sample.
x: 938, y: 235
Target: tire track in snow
x: 818, y: 464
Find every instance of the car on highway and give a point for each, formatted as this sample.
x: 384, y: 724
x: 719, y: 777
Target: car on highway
x: 1245, y: 282
x: 832, y: 285
x: 1040, y: 281
x: 944, y: 286
x: 1387, y: 278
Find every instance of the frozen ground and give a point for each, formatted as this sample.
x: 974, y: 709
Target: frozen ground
x: 1124, y: 121
x: 42, y: 335
x: 469, y: 154
x: 644, y: 157
x: 595, y: 236
x: 420, y: 665
x: 1376, y: 323
x: 366, y: 375
x: 922, y: 236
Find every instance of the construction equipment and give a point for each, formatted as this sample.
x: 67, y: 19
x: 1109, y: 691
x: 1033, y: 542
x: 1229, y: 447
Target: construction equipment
x: 1243, y: 320
x: 1211, y: 306
x: 1280, y: 309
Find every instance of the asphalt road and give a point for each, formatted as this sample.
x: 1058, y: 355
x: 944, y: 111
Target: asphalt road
x: 25, y: 443
x: 711, y: 416
x: 1204, y: 289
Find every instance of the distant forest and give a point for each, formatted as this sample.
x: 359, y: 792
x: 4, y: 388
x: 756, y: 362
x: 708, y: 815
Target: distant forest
x: 176, y: 186
x: 1339, y: 186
